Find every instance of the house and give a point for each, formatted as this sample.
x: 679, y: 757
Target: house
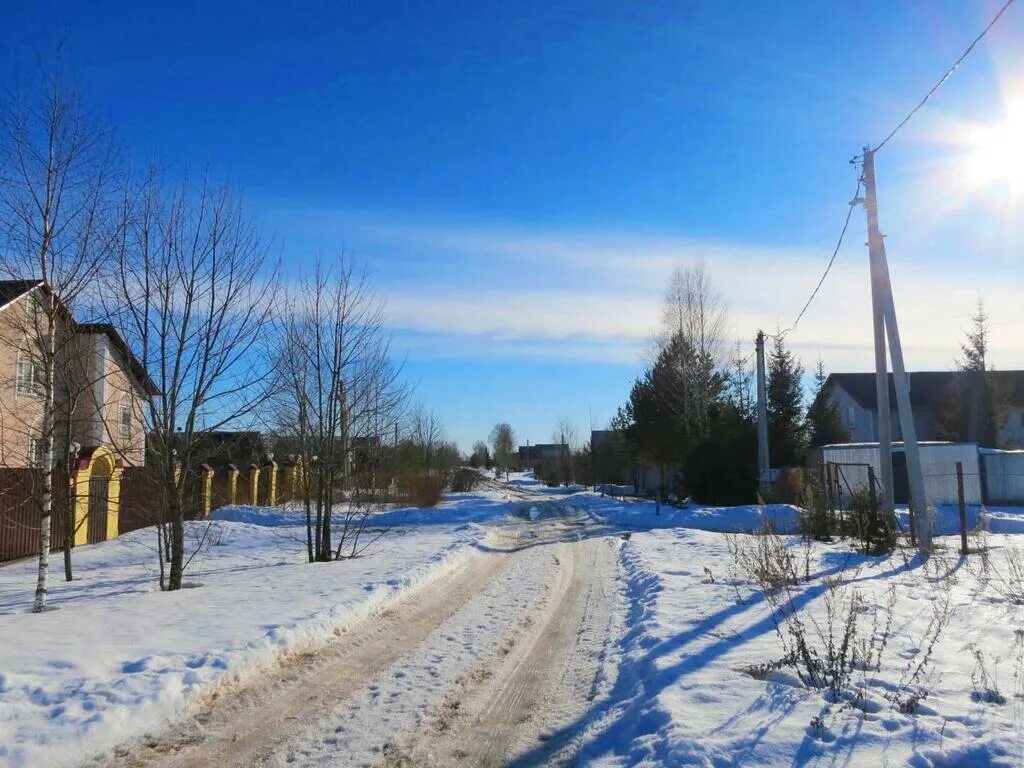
x: 854, y: 395
x: 100, y: 387
x: 100, y: 391
x: 533, y: 456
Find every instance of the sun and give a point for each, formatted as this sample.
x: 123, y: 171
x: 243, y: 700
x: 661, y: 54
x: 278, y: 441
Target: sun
x: 996, y: 154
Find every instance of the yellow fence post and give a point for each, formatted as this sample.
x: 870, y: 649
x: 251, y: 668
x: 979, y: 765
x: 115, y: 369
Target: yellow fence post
x: 232, y: 484
x: 271, y: 469
x: 206, y: 489
x: 254, y: 485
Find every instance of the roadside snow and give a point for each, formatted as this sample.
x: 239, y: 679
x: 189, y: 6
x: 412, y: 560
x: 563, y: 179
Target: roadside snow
x: 696, y: 625
x: 116, y: 657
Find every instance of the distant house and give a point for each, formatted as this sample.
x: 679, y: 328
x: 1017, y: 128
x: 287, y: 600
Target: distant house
x: 533, y: 456
x: 855, y: 397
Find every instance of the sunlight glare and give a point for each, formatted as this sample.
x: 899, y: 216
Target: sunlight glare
x: 997, y: 156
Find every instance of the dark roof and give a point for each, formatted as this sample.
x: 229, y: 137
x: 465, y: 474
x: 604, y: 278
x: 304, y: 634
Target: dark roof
x: 137, y: 369
x: 927, y: 388
x: 221, y: 447
x: 13, y: 289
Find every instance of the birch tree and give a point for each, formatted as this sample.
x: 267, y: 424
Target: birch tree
x: 694, y: 313
x: 57, y: 194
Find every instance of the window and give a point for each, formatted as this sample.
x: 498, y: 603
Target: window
x: 124, y: 420
x: 851, y: 417
x: 30, y: 376
x: 36, y: 451
x: 33, y: 312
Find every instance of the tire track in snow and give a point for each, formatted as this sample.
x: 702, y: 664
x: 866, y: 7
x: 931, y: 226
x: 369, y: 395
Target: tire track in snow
x: 549, y: 677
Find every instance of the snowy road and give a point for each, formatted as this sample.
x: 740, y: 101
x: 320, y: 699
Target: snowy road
x: 480, y: 666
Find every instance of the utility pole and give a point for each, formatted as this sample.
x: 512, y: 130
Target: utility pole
x: 883, y: 303
x: 884, y: 409
x: 763, y: 466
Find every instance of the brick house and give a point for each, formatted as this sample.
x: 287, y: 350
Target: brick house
x: 100, y: 392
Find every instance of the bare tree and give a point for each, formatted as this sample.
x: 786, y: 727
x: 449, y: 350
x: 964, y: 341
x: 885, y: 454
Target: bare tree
x: 193, y: 295
x: 481, y: 456
x: 503, y: 440
x: 57, y: 196
x: 695, y: 314
x: 426, y: 432
x: 341, y: 392
x: 565, y: 436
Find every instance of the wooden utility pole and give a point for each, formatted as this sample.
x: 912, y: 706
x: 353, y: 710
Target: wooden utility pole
x: 763, y: 465
x: 886, y: 328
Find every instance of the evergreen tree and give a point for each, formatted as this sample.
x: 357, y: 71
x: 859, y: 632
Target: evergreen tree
x: 787, y: 439
x: 975, y: 347
x: 971, y: 409
x: 824, y: 422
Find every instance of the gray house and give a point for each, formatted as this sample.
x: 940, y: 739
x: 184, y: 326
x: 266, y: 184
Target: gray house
x: 855, y: 397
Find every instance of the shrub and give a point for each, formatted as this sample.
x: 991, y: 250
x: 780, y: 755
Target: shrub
x: 870, y: 525
x: 464, y: 480
x: 816, y: 519
x: 790, y: 487
x: 764, y: 558
x: 424, y: 490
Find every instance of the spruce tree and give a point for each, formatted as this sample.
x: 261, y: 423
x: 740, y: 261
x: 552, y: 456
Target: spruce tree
x: 787, y: 439
x: 824, y: 422
x: 970, y: 410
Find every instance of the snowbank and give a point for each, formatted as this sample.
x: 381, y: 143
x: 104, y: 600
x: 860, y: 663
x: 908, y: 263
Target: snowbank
x: 683, y: 697
x: 116, y: 657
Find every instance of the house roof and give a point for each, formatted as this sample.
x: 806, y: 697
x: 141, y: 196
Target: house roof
x: 927, y: 388
x: 137, y: 368
x: 10, y: 290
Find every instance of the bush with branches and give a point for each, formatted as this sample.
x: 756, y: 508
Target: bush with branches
x: 872, y: 526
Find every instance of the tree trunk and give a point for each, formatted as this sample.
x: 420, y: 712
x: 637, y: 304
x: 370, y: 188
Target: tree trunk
x: 46, y: 512
x: 177, y: 550
x: 69, y: 540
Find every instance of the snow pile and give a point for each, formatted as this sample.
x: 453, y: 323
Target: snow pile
x: 116, y: 657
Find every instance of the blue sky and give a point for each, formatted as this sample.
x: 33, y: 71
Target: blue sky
x: 519, y: 180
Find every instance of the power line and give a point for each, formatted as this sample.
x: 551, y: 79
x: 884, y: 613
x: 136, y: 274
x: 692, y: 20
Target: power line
x: 946, y: 76
x: 828, y: 268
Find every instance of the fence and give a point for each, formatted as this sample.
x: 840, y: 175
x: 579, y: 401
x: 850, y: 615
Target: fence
x: 138, y: 505
x: 20, y: 512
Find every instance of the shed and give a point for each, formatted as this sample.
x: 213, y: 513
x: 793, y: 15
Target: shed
x: 938, y: 466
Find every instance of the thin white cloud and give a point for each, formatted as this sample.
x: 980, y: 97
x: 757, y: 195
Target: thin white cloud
x: 608, y: 288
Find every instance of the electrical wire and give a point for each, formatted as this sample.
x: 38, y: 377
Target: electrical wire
x: 828, y: 268
x: 945, y: 77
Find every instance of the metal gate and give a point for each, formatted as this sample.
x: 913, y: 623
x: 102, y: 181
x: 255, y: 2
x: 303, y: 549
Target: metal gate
x: 99, y: 491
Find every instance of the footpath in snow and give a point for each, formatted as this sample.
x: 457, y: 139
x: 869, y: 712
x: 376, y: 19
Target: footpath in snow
x: 116, y: 657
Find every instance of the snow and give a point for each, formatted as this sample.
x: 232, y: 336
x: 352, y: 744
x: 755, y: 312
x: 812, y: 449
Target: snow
x: 115, y: 656
x: 696, y: 624
x: 682, y: 696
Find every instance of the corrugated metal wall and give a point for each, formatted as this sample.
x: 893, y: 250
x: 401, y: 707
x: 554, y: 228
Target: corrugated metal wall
x: 1004, y: 477
x: 938, y: 466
